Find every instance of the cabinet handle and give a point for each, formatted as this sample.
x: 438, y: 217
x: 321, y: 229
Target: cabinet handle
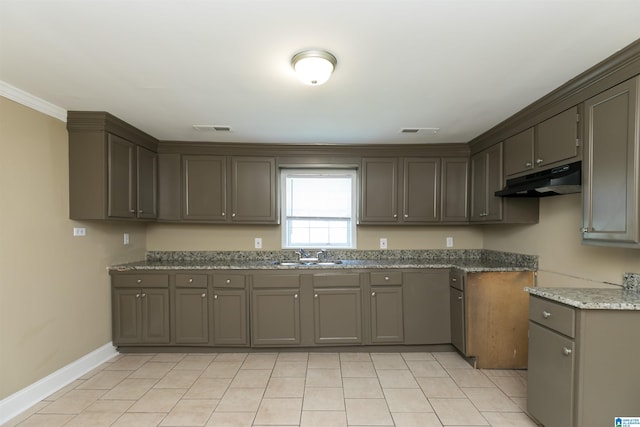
x: 144, y: 295
x: 215, y: 296
x: 139, y: 281
x: 190, y: 280
x: 460, y: 298
x: 546, y: 314
x: 373, y: 294
x: 140, y: 211
x: 223, y: 214
x: 395, y: 215
x: 528, y: 165
x: 386, y: 277
x: 233, y: 215
x: 454, y: 279
x: 228, y: 281
x: 566, y: 351
x: 295, y: 296
x: 585, y: 230
x: 132, y: 211
x: 315, y: 296
x: 406, y: 215
x: 137, y: 295
x: 538, y: 161
x: 203, y: 295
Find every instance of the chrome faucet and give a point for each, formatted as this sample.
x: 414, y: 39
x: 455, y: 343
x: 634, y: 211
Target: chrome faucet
x: 302, y: 254
x: 322, y: 254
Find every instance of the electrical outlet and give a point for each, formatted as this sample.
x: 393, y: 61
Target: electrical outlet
x: 125, y: 238
x: 449, y: 242
x: 383, y: 243
x: 79, y: 231
x: 257, y: 243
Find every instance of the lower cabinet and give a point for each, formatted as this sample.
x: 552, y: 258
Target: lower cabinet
x: 191, y: 320
x: 456, y: 307
x: 385, y: 307
x: 426, y: 309
x: 230, y: 317
x: 337, y: 309
x: 140, y: 315
x: 583, y: 364
x: 275, y: 310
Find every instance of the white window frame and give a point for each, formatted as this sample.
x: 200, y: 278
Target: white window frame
x: 318, y: 172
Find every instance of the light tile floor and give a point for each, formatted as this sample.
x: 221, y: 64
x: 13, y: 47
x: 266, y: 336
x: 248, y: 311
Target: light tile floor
x: 287, y: 389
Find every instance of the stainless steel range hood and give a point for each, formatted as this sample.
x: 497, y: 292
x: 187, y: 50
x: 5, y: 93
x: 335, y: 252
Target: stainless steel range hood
x: 552, y: 182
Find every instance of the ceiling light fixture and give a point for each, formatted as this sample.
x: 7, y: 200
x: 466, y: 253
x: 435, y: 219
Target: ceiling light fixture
x: 314, y: 67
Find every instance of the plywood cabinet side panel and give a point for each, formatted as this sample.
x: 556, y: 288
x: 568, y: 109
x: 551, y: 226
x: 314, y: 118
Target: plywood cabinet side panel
x: 497, y: 318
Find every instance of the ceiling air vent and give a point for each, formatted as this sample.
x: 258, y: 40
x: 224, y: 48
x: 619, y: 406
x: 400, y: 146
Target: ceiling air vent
x: 212, y: 128
x: 420, y: 130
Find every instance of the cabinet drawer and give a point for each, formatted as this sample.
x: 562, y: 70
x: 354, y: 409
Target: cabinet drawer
x: 387, y: 278
x: 276, y: 281
x: 141, y: 280
x: 336, y: 279
x: 191, y: 280
x: 456, y: 279
x: 555, y: 316
x: 228, y: 281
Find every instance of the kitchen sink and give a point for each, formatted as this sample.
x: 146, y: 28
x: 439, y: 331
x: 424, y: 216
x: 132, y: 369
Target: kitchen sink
x: 307, y: 263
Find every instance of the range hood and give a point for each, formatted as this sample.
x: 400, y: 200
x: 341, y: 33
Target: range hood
x: 552, y: 182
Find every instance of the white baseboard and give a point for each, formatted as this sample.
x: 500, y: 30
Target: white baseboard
x: 22, y: 400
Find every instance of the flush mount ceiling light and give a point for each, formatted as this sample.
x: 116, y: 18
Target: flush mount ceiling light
x: 314, y: 67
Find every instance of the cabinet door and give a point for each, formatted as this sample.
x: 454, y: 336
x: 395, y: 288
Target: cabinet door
x: 456, y: 301
x: 191, y: 323
x: 494, y: 183
x: 155, y: 316
x: 379, y: 192
x: 275, y: 317
x: 337, y: 316
x: 253, y: 190
x: 127, y: 316
x: 551, y: 377
x: 387, y: 323
x: 556, y: 139
x: 421, y: 190
x: 147, y: 179
x: 612, y: 167
x: 230, y: 317
x: 426, y: 307
x: 518, y: 152
x: 478, y: 186
x: 121, y: 172
x: 455, y: 189
x: 204, y: 195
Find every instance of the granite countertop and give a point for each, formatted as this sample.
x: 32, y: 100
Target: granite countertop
x: 466, y: 260
x: 591, y: 298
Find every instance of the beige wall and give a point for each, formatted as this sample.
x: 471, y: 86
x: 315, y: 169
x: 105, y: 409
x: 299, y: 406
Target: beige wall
x: 54, y: 288
x: 564, y: 261
x: 170, y: 237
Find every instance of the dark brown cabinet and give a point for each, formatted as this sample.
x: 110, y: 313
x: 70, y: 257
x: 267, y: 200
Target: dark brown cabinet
x: 337, y: 308
x: 227, y: 189
x: 550, y: 143
x: 113, y: 170
x: 611, y: 170
x: 386, y: 308
x: 230, y: 316
x: 416, y: 190
x: 275, y: 310
x: 486, y: 179
x: 140, y: 307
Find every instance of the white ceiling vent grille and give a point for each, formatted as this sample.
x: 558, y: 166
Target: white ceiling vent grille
x: 212, y: 128
x: 420, y: 130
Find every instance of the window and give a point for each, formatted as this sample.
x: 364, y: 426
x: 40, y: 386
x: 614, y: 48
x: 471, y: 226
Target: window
x: 318, y: 208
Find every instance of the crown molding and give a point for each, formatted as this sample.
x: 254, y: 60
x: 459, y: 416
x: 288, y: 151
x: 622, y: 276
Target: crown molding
x: 28, y: 100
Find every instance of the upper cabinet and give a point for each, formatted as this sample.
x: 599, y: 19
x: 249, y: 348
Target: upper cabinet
x: 486, y: 179
x: 550, y: 143
x: 611, y: 170
x: 112, y: 169
x: 413, y: 190
x: 224, y: 189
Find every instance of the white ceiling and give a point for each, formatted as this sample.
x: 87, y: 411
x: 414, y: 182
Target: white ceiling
x: 164, y: 65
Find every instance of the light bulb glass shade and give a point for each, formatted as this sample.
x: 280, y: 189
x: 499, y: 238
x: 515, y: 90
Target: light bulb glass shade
x: 314, y: 67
